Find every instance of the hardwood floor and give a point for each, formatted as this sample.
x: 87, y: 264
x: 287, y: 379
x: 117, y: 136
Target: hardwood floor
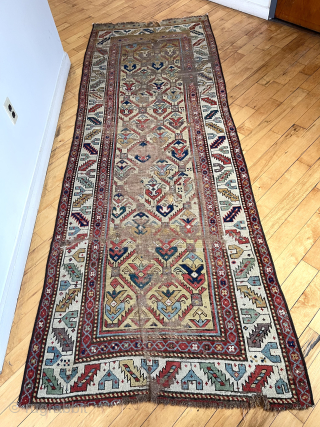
x: 272, y: 73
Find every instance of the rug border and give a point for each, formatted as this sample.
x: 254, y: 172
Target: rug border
x: 56, y: 221
x: 262, y: 230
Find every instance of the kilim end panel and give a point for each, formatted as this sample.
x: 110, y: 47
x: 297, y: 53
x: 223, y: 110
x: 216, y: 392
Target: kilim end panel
x: 159, y: 283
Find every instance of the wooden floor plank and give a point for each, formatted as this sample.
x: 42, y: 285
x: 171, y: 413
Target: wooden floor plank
x: 309, y: 341
x: 225, y: 417
x: 297, y: 220
x: 315, y: 323
x: 194, y: 417
x: 285, y: 417
x: 160, y: 416
x: 137, y: 415
x: 307, y: 306
x: 312, y: 257
x: 272, y: 119
x: 257, y: 418
x: 268, y: 194
x: 298, y: 248
x: 281, y: 212
x: 271, y: 156
x: 104, y: 416
x: 263, y: 96
x: 297, y: 282
x: 260, y: 114
x: 295, y: 114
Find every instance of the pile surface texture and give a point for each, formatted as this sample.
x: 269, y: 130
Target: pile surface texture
x: 160, y: 285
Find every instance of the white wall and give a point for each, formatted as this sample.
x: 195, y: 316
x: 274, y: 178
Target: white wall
x: 33, y: 74
x: 258, y: 8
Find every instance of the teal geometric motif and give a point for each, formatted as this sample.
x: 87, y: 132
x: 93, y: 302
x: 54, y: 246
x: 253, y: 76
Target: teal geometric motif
x: 67, y: 319
x: 50, y: 382
x: 217, y: 377
x: 73, y: 271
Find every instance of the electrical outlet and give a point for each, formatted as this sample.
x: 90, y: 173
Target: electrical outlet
x: 11, y: 111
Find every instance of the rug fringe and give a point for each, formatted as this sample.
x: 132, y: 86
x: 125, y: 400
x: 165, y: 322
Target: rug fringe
x: 255, y: 401
x: 102, y: 26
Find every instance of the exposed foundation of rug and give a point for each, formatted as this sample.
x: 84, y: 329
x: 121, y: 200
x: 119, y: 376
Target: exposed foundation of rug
x: 159, y: 284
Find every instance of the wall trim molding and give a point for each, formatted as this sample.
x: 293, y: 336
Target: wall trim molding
x: 247, y: 6
x: 15, y: 274
x: 273, y: 5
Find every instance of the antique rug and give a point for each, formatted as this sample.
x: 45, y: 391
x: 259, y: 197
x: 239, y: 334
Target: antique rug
x: 159, y: 283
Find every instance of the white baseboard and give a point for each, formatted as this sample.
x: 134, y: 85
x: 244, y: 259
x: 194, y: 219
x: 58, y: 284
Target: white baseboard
x: 254, y: 7
x: 17, y: 265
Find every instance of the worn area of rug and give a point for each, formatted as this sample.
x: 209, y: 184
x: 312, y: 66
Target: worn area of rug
x: 159, y: 284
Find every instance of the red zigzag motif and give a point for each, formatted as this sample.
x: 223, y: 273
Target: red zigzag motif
x: 258, y: 379
x: 168, y: 373
x: 87, y: 164
x: 237, y: 236
x: 86, y: 378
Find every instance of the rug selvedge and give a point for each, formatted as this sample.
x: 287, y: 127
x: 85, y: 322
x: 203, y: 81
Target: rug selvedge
x: 160, y: 285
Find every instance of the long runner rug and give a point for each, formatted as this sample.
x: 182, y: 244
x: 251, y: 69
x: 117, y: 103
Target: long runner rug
x: 159, y: 284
